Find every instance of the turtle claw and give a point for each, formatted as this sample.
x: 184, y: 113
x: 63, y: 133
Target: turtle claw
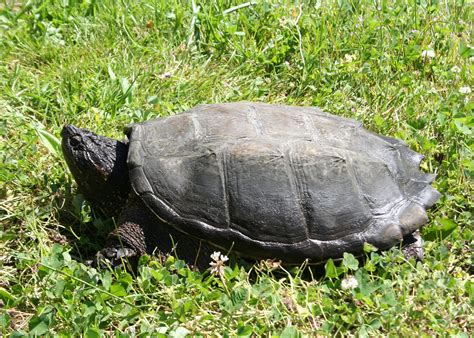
x: 113, y: 257
x: 413, y: 246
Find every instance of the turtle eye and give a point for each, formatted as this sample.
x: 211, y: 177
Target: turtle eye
x: 75, y: 141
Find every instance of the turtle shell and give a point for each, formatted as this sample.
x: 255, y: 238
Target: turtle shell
x: 278, y: 181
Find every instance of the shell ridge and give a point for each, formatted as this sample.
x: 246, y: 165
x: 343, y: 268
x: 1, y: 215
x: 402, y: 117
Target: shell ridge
x: 309, y: 125
x: 223, y: 173
x: 252, y: 118
x: 300, y: 178
x: 355, y: 179
x: 320, y: 113
x: 390, y: 210
x: 338, y: 119
x: 198, y: 132
x: 290, y: 172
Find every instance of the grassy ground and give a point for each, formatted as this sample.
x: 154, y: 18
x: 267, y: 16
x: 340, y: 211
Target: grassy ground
x: 403, y: 69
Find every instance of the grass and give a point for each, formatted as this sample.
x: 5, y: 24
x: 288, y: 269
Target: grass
x: 402, y: 68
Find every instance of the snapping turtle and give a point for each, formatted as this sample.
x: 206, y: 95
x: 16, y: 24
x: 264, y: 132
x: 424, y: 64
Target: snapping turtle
x: 267, y: 181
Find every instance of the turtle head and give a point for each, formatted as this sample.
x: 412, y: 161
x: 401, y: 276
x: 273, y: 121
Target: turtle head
x: 99, y: 166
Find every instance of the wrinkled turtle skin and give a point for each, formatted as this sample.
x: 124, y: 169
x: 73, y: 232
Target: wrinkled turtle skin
x: 266, y: 181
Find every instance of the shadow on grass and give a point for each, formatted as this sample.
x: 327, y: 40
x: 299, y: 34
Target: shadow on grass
x: 83, y: 228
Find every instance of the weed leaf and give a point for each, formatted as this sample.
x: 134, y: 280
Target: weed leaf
x: 51, y: 142
x: 37, y: 326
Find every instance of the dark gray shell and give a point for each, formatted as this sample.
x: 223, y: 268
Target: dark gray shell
x: 278, y: 181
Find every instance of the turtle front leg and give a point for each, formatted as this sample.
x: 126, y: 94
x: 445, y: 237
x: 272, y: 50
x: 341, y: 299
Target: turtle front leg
x: 413, y: 246
x: 140, y: 232
x: 124, y: 245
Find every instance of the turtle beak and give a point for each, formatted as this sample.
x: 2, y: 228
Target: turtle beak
x: 69, y: 130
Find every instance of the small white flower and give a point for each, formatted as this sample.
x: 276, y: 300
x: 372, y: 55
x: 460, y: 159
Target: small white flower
x: 215, y: 255
x: 166, y: 75
x: 349, y: 283
x: 456, y: 69
x: 272, y: 264
x: 350, y: 57
x: 218, y: 264
x: 429, y: 53
x: 465, y: 90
